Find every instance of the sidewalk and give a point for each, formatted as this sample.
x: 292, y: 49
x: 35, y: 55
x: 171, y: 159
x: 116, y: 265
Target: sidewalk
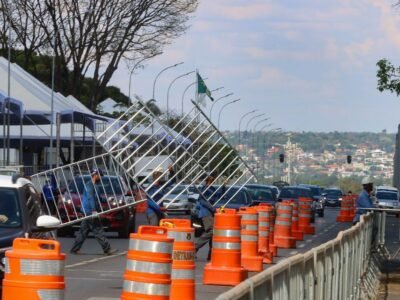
x: 390, y: 268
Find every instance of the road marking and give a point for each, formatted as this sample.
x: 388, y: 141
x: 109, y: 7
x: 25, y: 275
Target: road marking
x: 101, y: 298
x: 308, y: 241
x: 293, y: 252
x: 301, y: 246
x: 94, y: 260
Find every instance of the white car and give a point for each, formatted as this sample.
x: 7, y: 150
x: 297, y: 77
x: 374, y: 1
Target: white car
x: 387, y: 199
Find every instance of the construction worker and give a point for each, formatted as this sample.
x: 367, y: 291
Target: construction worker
x: 154, y: 211
x: 205, y: 213
x: 364, y: 199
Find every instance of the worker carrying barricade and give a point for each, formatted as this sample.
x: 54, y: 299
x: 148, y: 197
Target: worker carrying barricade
x: 225, y: 266
x: 34, y: 270
x: 148, y: 267
x: 183, y: 258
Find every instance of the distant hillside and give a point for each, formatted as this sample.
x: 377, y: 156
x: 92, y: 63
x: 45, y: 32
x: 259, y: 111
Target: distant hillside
x: 318, y: 142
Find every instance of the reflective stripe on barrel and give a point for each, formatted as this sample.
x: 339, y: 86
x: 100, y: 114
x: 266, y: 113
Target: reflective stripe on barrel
x: 182, y: 274
x: 283, y: 223
x: 226, y: 232
x: 249, y: 238
x: 181, y: 236
x: 226, y: 245
x: 42, y: 267
x: 251, y: 217
x: 150, y: 246
x: 148, y: 267
x: 152, y: 289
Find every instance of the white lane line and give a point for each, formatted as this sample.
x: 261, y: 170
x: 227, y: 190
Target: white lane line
x: 93, y: 279
x: 293, y: 252
x: 301, y: 246
x: 308, y: 241
x: 101, y: 298
x: 85, y: 262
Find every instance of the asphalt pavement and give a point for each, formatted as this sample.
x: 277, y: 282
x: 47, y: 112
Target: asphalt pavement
x: 91, y: 275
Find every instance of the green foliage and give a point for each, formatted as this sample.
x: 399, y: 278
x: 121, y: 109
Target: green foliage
x: 388, y: 77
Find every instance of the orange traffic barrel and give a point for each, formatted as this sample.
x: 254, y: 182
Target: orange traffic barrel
x: 283, y: 226
x: 251, y: 260
x: 305, y: 216
x: 346, y: 213
x: 263, y: 232
x: 148, y: 266
x: 225, y: 266
x: 296, y: 232
x: 183, y: 258
x: 272, y: 247
x: 34, y: 270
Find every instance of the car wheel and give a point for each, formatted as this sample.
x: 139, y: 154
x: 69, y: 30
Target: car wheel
x: 128, y: 229
x: 321, y: 214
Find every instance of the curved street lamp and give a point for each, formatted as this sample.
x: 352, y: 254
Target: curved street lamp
x: 240, y: 121
x: 220, y: 98
x: 226, y: 104
x: 169, y: 88
x: 158, y: 75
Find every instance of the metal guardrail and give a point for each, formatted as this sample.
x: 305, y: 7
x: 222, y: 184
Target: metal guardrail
x: 338, y: 269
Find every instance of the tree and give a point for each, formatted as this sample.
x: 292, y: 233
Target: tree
x: 92, y: 37
x: 388, y: 77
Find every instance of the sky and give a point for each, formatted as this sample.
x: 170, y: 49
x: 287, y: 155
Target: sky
x: 309, y: 65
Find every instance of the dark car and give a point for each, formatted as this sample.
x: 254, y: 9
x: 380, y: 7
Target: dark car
x: 235, y: 197
x: 262, y: 194
x: 332, y: 196
x: 113, y: 193
x: 296, y: 192
x: 319, y: 202
x: 20, y: 208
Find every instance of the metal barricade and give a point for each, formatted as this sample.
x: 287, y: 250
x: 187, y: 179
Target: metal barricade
x: 63, y: 189
x: 192, y: 143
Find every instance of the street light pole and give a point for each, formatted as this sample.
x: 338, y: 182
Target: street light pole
x: 169, y: 88
x: 158, y: 75
x: 272, y: 131
x: 212, y: 105
x: 240, y: 121
x: 247, y: 127
x: 220, y: 111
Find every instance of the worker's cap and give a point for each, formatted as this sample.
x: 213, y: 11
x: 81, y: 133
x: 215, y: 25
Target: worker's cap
x: 96, y: 171
x: 158, y: 170
x: 367, y: 180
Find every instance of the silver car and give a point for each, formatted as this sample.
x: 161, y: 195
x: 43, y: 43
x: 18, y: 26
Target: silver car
x: 180, y: 198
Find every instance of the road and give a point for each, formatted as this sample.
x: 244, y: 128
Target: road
x: 93, y: 276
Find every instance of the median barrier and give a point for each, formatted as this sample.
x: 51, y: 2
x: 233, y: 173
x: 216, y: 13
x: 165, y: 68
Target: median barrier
x: 34, y: 270
x: 183, y: 258
x: 225, y: 267
x: 148, y: 268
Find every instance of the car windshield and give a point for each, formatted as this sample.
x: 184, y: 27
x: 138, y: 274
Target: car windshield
x: 386, y: 195
x: 333, y: 192
x: 108, y: 186
x: 260, y: 194
x: 10, y: 215
x: 238, y: 197
x: 294, y: 193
